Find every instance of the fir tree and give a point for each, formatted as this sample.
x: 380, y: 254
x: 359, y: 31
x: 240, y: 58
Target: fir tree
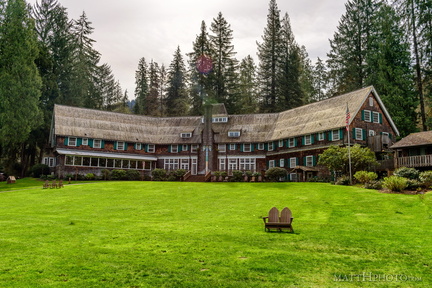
x: 86, y: 63
x: 223, y: 78
x: 152, y: 100
x: 177, y: 98
x: 142, y: 87
x: 20, y: 82
x: 199, y: 80
x: 248, y: 97
x: 270, y: 53
x: 319, y: 81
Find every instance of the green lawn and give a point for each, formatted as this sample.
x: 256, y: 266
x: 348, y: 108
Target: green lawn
x: 167, y: 234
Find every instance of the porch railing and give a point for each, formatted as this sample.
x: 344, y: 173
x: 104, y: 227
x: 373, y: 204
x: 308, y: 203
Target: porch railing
x: 415, y: 161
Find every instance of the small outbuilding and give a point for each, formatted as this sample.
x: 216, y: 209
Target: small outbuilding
x: 11, y: 180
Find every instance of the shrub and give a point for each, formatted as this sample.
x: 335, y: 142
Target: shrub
x: 395, y: 183
x: 365, y: 177
x: 133, y: 175
x: 106, y: 174
x: 275, y: 174
x: 409, y: 173
x: 118, y: 174
x: 90, y: 176
x: 374, y: 184
x: 343, y: 180
x: 179, y: 174
x: 39, y: 169
x: 426, y: 179
x: 159, y: 174
x: 237, y: 176
x: 413, y: 184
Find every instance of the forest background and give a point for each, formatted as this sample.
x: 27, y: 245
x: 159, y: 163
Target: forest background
x: 46, y: 58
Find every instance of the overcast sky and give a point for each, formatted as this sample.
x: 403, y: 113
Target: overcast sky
x: 127, y: 30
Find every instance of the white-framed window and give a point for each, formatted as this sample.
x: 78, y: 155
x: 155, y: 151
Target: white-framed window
x: 293, y: 162
x: 97, y: 143
x: 174, y: 148
x: 376, y: 117
x: 138, y: 146
x: 293, y: 177
x: 307, y: 139
x: 49, y: 161
x: 232, y: 147
x: 72, y: 141
x: 150, y: 148
x: 220, y: 119
x: 371, y: 133
x: 232, y: 164
x: 233, y: 133
x: 358, y: 133
x: 270, y: 146
x: 271, y: 164
x: 171, y: 164
x: 281, y: 143
x: 291, y: 142
x: 85, y: 141
x: 321, y: 136
x: 222, y: 147
x: 247, y: 164
x: 184, y: 164
x: 120, y: 145
x: 282, y: 163
x: 222, y: 164
x: 309, y: 161
x: 371, y: 102
x: 261, y: 146
x: 367, y: 116
x: 247, y: 147
x: 335, y: 135
x: 186, y: 135
x: 385, y: 134
x: 194, y: 148
x: 185, y: 147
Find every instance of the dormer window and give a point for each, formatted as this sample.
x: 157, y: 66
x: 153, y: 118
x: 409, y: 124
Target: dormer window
x: 233, y: 133
x: 220, y: 119
x: 186, y: 135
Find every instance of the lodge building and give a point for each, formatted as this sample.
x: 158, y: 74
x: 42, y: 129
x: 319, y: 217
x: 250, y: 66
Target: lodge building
x: 87, y: 141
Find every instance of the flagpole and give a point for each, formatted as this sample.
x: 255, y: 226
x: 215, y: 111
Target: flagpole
x: 349, y: 144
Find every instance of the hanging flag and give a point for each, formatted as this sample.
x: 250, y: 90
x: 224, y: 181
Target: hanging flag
x: 347, y: 118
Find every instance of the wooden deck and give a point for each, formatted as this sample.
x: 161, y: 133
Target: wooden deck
x: 415, y: 161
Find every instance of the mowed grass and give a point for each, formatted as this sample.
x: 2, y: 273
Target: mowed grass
x: 167, y: 234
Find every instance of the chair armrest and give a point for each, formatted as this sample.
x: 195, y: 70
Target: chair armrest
x: 264, y: 219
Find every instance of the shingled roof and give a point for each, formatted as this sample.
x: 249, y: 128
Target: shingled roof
x: 82, y: 122
x: 317, y: 117
x: 414, y: 139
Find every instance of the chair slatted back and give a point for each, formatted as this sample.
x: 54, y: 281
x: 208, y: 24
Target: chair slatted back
x: 286, y: 215
x: 273, y: 215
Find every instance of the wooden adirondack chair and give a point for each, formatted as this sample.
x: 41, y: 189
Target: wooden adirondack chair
x: 46, y: 184
x: 54, y: 184
x: 60, y: 184
x: 271, y: 221
x: 286, y: 220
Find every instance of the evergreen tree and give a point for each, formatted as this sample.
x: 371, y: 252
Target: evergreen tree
x: 289, y: 93
x: 224, y: 63
x: 142, y: 87
x: 270, y: 53
x: 162, y: 91
x: 152, y: 100
x: 177, y: 97
x: 199, y: 80
x: 20, y: 82
x: 417, y: 23
x: 319, y: 81
x: 86, y: 64
x: 248, y: 98
x: 389, y: 69
x: 346, y: 60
